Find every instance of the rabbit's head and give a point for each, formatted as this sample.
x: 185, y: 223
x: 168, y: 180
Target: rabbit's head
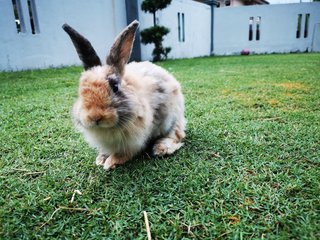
x: 102, y: 101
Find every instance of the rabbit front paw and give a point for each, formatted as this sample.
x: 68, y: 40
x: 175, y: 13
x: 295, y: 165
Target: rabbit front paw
x: 109, y: 163
x: 101, y: 158
x: 113, y: 160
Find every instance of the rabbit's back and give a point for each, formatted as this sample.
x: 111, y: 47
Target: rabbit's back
x: 150, y: 78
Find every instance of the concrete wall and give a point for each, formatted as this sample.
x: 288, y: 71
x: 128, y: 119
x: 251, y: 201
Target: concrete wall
x: 197, y: 29
x: 316, y: 38
x: 99, y: 22
x: 277, y: 29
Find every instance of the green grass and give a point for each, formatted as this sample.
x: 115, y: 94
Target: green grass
x: 249, y: 168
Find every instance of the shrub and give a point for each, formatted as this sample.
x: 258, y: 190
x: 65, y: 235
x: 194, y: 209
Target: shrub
x: 156, y: 33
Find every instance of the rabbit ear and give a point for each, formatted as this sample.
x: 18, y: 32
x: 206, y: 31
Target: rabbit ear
x: 86, y: 53
x: 121, y: 48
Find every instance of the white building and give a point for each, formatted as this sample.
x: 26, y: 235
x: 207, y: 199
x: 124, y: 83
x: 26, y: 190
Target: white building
x: 31, y: 35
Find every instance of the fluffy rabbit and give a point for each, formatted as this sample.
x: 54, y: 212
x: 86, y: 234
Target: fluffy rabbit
x: 122, y: 107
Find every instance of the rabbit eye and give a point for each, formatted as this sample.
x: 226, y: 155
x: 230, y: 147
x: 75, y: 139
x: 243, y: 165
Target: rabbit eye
x: 113, y: 83
x: 115, y: 87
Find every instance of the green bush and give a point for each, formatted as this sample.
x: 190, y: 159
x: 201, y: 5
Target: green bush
x: 156, y: 33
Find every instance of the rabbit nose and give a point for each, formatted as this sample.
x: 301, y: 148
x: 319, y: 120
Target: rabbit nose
x: 96, y: 119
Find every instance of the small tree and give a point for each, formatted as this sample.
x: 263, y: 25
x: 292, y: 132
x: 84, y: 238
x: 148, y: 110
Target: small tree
x: 156, y: 33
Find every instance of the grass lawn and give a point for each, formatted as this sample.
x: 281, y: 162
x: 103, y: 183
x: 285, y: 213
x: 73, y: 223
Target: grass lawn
x: 249, y: 168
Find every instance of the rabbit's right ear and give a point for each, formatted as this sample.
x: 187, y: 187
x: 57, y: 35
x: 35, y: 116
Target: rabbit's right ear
x: 121, y: 49
x: 86, y: 52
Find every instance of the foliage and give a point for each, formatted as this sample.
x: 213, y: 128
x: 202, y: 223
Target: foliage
x: 156, y: 33
x: 152, y: 6
x: 249, y: 168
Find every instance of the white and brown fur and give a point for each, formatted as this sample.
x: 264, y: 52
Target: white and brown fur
x: 122, y: 107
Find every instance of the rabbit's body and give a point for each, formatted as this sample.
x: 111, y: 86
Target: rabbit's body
x: 160, y: 92
x: 122, y: 107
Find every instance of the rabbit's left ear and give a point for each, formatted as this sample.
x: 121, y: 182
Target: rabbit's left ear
x: 121, y: 49
x: 86, y: 52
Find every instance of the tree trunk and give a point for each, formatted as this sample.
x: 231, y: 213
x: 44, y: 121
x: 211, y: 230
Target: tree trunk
x: 154, y: 18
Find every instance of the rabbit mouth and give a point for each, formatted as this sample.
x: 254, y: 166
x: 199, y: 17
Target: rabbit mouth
x: 97, y: 122
x: 98, y: 125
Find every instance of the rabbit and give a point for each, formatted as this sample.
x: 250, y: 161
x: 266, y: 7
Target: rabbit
x: 122, y: 107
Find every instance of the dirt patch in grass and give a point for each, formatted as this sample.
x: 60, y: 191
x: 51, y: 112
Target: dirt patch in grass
x: 273, y: 102
x: 275, y: 95
x: 293, y: 86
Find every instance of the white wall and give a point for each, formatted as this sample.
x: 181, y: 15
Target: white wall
x: 197, y: 29
x: 99, y: 22
x: 277, y: 30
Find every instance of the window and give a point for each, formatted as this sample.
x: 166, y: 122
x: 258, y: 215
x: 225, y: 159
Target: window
x: 33, y: 17
x: 306, y: 25
x: 181, y: 29
x: 299, y: 26
x: 250, y: 28
x: 18, y: 17
x: 183, y: 35
x: 258, y: 22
